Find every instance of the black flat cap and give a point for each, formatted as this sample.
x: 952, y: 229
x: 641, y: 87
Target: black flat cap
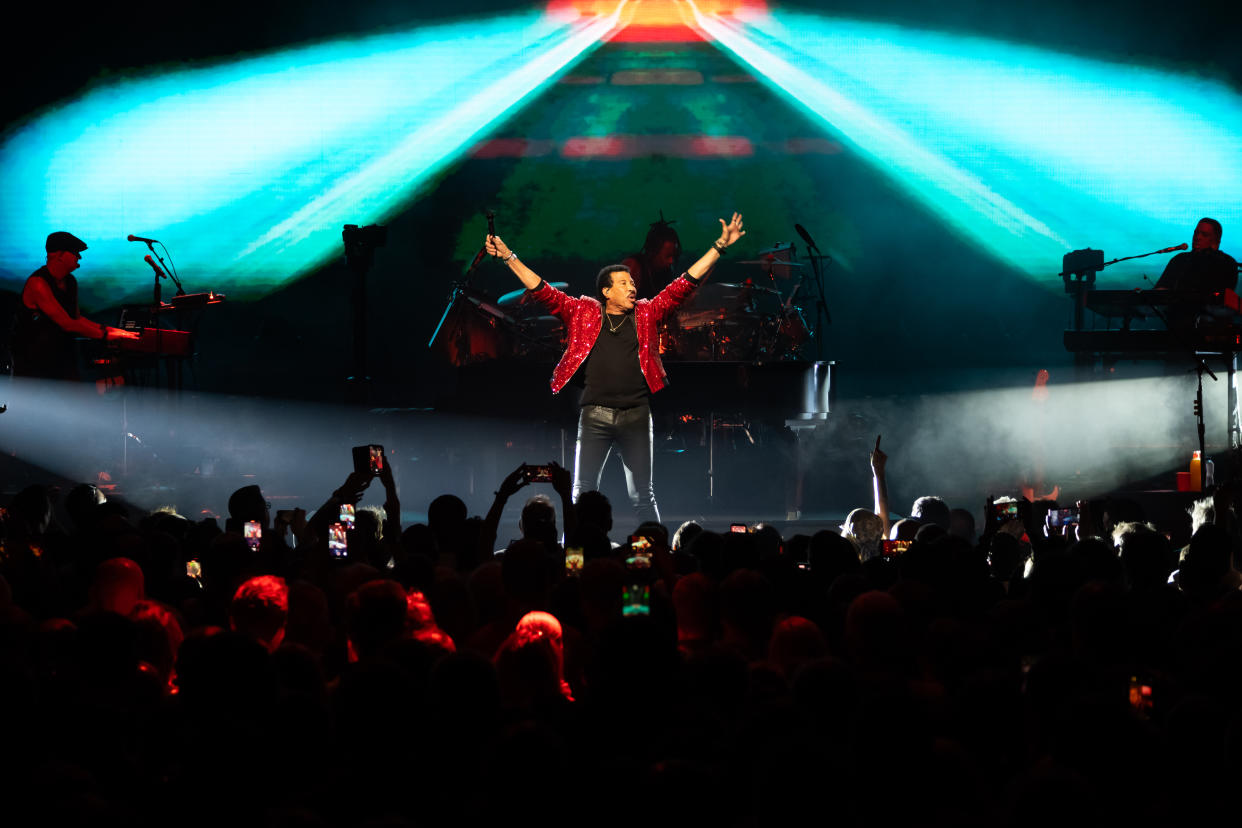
x: 60, y: 240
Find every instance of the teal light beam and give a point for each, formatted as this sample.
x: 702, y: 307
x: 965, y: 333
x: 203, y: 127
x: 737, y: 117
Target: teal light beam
x: 248, y: 169
x: 1027, y: 152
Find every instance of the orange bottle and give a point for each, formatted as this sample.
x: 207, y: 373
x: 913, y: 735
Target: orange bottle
x: 1196, y: 476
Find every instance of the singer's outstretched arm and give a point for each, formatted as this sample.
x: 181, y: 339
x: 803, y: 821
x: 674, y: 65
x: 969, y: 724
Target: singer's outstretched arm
x: 729, y: 233
x: 496, y: 247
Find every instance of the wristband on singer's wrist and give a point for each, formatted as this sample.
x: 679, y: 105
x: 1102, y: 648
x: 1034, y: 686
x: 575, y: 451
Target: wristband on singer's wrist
x: 720, y: 247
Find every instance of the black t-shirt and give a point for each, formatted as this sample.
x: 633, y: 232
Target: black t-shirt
x: 40, y: 347
x: 1206, y: 270
x: 613, y: 375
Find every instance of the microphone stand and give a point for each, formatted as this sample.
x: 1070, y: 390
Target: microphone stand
x: 822, y: 315
x: 821, y: 305
x: 460, y: 289
x: 1143, y: 255
x: 1201, y: 366
x: 157, y: 306
x: 167, y: 269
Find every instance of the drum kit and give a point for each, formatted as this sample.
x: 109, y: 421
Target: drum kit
x: 754, y: 320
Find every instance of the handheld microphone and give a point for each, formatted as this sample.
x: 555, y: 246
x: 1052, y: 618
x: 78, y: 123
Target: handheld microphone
x: 491, y: 223
x: 132, y: 237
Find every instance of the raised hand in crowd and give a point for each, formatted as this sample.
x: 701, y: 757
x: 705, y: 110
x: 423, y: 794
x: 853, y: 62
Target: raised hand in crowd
x: 879, y: 484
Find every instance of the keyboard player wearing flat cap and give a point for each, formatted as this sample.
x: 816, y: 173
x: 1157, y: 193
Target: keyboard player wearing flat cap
x: 48, y: 317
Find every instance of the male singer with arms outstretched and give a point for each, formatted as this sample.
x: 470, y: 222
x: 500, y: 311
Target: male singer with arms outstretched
x: 613, y: 342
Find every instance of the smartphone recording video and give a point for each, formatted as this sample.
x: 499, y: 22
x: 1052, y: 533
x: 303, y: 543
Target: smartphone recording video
x: 337, y: 544
x: 639, y: 557
x: 1005, y: 512
x: 893, y: 548
x: 1140, y: 697
x: 573, y: 560
x: 636, y: 600
x: 538, y: 474
x: 368, y: 460
x: 348, y: 513
x: 1058, y: 518
x: 254, y: 534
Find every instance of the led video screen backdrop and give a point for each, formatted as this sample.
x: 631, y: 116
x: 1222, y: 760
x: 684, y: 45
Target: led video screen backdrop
x: 247, y: 168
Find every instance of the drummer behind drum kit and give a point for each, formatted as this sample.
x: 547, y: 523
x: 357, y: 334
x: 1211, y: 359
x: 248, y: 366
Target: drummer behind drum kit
x: 721, y: 322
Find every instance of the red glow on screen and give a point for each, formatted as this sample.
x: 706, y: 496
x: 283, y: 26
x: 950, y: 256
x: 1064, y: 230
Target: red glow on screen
x: 636, y: 33
x: 609, y: 147
x: 652, y: 21
x: 675, y: 146
x: 513, y: 148
x: 657, y: 77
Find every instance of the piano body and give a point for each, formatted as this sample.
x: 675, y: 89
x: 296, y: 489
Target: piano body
x: 1210, y: 328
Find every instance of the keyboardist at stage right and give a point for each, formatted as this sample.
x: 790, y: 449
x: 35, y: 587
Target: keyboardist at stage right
x: 1204, y: 268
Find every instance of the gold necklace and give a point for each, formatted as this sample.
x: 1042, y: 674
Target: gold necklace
x: 611, y: 329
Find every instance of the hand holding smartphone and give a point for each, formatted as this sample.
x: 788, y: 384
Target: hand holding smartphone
x: 537, y: 474
x: 369, y: 460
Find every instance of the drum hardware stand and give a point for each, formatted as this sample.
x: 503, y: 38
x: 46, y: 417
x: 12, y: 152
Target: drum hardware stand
x: 786, y: 316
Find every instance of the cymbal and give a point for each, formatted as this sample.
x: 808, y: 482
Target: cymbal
x: 740, y: 287
x: 515, y: 296
x: 779, y: 247
x: 772, y: 260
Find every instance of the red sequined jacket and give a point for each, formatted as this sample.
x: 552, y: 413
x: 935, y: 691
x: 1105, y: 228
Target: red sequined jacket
x: 584, y: 319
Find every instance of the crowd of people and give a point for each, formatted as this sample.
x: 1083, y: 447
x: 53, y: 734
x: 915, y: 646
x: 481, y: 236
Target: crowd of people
x: 936, y: 670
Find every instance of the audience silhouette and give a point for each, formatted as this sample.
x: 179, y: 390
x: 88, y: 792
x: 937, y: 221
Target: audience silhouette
x: 978, y: 668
